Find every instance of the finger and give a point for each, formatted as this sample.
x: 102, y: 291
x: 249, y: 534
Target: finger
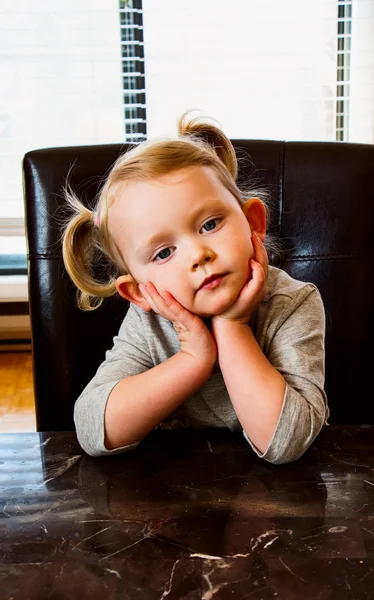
x: 259, y: 275
x: 172, y: 310
x: 147, y: 296
x: 261, y: 255
x: 167, y: 306
x: 180, y: 313
x: 156, y: 301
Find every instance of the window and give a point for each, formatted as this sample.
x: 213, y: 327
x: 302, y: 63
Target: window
x: 103, y: 71
x: 61, y: 85
x: 294, y: 70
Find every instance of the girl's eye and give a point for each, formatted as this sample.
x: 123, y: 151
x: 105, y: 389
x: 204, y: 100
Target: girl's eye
x: 210, y: 222
x: 161, y: 254
x: 210, y: 225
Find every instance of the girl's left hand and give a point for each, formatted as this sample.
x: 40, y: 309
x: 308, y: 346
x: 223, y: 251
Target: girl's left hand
x: 254, y: 290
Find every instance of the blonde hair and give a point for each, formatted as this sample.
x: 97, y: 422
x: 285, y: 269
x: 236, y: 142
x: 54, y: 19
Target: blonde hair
x: 86, y: 236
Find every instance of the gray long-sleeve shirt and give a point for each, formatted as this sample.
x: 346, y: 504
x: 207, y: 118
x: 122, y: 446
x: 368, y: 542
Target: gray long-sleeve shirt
x: 289, y: 326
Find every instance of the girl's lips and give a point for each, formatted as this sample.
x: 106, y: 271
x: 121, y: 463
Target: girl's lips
x: 213, y: 284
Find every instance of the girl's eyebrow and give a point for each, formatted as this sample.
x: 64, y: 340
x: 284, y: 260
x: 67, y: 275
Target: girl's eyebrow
x: 141, y: 251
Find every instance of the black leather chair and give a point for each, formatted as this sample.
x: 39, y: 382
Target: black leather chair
x: 323, y: 210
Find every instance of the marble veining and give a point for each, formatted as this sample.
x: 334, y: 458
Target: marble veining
x: 188, y: 515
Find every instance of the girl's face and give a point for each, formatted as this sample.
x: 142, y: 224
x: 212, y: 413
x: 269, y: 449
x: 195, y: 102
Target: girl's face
x: 180, y: 228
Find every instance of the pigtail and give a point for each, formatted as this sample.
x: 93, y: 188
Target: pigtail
x: 213, y: 136
x: 80, y: 251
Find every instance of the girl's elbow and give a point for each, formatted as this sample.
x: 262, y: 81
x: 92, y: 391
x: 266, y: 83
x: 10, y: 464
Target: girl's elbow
x: 296, y: 446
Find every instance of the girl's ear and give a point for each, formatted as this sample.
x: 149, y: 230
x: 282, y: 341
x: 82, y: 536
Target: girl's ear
x: 255, y: 213
x: 128, y: 289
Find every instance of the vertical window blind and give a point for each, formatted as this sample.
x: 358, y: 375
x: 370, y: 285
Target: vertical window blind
x: 344, y: 35
x: 132, y: 53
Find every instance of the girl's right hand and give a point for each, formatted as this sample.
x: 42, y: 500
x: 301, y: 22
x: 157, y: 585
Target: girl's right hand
x: 194, y: 336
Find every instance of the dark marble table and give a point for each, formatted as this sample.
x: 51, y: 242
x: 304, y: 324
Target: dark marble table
x: 187, y: 515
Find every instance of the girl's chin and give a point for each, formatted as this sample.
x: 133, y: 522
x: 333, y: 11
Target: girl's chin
x: 216, y: 307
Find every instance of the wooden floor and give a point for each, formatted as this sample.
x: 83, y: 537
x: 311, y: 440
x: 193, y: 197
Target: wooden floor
x: 17, y: 412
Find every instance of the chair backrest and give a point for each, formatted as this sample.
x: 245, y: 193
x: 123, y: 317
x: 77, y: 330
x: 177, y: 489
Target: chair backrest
x: 322, y: 208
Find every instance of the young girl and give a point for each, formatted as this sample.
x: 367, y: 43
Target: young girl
x: 214, y: 336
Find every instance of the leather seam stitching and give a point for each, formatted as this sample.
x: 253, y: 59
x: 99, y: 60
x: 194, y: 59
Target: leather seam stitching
x: 296, y: 257
x: 327, y: 256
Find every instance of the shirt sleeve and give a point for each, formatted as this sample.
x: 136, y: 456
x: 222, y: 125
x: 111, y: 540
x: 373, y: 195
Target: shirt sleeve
x: 129, y: 356
x: 297, y: 351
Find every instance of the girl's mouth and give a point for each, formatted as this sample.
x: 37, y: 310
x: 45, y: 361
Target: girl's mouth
x: 213, y: 284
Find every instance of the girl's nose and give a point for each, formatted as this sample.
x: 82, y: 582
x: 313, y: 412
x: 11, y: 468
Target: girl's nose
x: 201, y: 257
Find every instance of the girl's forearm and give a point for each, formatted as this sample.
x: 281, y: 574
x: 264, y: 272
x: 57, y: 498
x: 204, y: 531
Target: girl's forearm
x: 139, y: 403
x: 255, y: 387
